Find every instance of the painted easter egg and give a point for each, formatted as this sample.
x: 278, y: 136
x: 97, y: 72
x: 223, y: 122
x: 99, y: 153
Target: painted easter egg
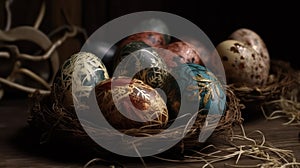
x: 194, y: 84
x: 130, y: 103
x: 153, y: 39
x: 139, y: 60
x: 154, y: 25
x: 180, y: 52
x: 77, y: 77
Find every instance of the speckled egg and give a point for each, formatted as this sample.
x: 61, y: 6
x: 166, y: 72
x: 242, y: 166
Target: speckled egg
x: 130, y: 103
x: 197, y: 87
x: 180, y: 52
x: 252, y: 39
x: 139, y: 60
x: 242, y: 63
x: 86, y: 69
x: 152, y: 39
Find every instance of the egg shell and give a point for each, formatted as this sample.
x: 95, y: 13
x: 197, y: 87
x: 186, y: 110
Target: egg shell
x: 252, y: 39
x: 201, y: 49
x: 140, y: 61
x: 152, y: 39
x: 242, y: 63
x: 180, y: 52
x: 86, y: 69
x: 139, y: 101
x: 154, y: 25
x: 199, y: 86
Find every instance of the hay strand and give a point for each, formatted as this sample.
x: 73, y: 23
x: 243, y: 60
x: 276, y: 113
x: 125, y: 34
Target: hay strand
x: 238, y: 146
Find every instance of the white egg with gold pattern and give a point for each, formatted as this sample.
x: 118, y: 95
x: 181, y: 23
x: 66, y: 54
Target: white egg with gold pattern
x: 77, y: 77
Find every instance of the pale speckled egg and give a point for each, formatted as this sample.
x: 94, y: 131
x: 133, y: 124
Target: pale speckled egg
x: 130, y: 103
x: 242, y: 63
x: 81, y: 71
x: 252, y: 39
x: 141, y: 61
x: 180, y: 52
x: 198, y: 88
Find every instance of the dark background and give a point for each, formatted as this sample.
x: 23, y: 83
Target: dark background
x: 276, y: 22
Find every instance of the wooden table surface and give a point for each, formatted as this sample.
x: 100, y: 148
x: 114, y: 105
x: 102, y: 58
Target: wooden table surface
x: 19, y: 146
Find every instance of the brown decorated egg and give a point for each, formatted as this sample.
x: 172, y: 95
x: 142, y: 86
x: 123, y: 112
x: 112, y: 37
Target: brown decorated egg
x: 130, y: 103
x: 180, y: 52
x: 242, y: 63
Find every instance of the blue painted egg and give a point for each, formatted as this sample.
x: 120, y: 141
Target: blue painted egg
x: 197, y: 86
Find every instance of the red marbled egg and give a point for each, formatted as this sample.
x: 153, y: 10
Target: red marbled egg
x: 180, y: 52
x: 152, y: 39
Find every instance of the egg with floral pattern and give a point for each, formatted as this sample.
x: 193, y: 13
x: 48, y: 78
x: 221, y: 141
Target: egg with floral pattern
x: 77, y: 77
x: 139, y: 60
x: 130, y: 103
x: 197, y: 86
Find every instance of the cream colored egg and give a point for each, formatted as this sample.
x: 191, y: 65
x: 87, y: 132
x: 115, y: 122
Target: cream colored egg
x: 77, y: 77
x: 242, y: 63
x: 252, y: 39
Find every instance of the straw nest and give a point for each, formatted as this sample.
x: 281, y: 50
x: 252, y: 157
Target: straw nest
x: 53, y: 120
x: 279, y: 81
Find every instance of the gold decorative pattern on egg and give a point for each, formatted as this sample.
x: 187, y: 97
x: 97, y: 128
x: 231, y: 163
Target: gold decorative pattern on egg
x: 141, y: 104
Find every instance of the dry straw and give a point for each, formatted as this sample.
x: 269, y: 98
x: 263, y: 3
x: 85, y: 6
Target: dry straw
x: 279, y: 82
x: 286, y: 106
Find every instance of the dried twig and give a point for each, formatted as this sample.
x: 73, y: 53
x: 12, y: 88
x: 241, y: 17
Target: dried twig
x: 40, y: 15
x: 8, y: 13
